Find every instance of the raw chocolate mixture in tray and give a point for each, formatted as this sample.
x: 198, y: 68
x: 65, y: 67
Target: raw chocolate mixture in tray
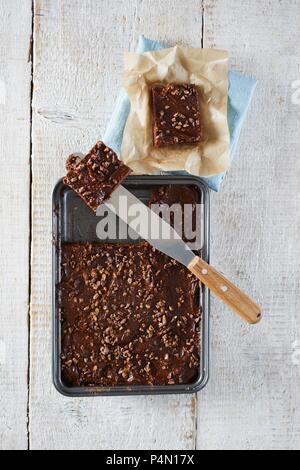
x: 131, y: 316
x: 173, y: 196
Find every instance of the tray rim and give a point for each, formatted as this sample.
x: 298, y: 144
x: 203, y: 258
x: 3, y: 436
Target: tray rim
x: 81, y: 392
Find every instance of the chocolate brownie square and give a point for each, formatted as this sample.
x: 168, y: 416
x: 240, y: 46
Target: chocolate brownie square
x: 96, y: 176
x: 176, y: 115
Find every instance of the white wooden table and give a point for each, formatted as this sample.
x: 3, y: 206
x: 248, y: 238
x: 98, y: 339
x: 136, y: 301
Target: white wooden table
x: 60, y: 66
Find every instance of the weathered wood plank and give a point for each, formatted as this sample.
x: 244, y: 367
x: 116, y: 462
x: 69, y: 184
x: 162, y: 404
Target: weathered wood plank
x: 253, y: 399
x: 15, y: 92
x: 78, y: 61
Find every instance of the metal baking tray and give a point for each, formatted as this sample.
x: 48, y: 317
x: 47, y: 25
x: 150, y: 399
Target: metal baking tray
x: 73, y: 222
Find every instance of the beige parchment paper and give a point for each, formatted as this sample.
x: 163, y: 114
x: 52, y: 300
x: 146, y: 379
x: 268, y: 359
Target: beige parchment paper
x: 206, y: 68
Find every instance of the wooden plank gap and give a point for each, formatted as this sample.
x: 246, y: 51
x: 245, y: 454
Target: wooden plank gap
x: 203, y: 23
x: 195, y: 402
x: 30, y: 60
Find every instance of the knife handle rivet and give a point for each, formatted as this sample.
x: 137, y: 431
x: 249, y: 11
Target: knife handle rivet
x: 224, y: 288
x: 204, y: 272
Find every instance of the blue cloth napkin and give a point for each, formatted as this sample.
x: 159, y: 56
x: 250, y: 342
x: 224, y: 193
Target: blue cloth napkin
x: 241, y: 90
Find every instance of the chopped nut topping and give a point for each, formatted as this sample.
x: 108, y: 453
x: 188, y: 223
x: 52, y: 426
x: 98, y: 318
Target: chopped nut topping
x: 176, y: 115
x: 130, y: 315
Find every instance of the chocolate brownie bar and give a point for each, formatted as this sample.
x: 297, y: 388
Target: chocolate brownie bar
x: 130, y: 316
x: 178, y: 197
x: 96, y: 176
x: 175, y: 195
x: 176, y: 115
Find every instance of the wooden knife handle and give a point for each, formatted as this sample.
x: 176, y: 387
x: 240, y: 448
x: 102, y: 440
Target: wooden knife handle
x: 239, y: 302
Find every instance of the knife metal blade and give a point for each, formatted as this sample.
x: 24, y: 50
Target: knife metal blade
x: 152, y: 227
x: 175, y: 248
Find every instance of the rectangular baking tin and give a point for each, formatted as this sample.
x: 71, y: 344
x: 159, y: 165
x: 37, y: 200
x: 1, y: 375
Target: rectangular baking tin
x: 74, y: 222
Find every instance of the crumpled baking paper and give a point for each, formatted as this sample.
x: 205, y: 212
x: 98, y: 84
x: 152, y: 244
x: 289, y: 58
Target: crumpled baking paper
x: 208, y: 70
